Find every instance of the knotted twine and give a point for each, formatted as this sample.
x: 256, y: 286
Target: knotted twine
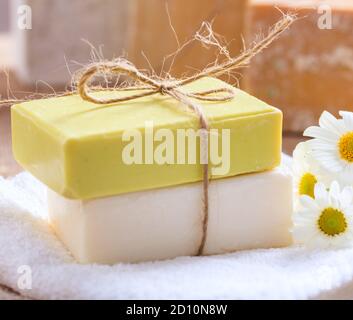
x: 147, y: 86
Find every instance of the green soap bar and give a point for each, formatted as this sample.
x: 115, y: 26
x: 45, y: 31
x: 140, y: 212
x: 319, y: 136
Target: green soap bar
x: 75, y: 147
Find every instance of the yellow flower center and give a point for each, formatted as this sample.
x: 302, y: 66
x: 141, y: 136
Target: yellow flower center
x: 332, y: 222
x: 345, y: 145
x: 306, y: 184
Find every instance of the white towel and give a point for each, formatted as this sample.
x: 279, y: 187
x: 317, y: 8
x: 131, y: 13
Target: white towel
x: 27, y: 244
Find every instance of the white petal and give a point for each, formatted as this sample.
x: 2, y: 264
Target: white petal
x: 299, y: 220
x: 308, y: 202
x: 346, y: 197
x: 306, y: 214
x: 344, y: 178
x: 349, y: 169
x: 328, y: 160
x: 334, y: 194
x: 340, y: 241
x: 346, y: 175
x: 347, y: 118
x: 321, y: 133
x: 348, y: 211
x: 320, y: 191
x: 321, y: 196
x: 349, y: 216
x: 335, y: 189
x: 324, y: 155
x: 303, y: 234
x: 299, y: 151
x: 320, y: 241
x: 317, y: 144
x: 328, y: 121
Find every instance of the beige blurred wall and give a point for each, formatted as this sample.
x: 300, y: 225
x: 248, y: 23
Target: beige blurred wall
x: 4, y: 15
x: 58, y: 28
x: 121, y: 26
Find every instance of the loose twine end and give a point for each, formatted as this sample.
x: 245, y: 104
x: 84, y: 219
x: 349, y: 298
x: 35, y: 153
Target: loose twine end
x: 146, y: 85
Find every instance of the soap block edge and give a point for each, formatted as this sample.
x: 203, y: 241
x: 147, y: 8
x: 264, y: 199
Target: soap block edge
x: 50, y: 143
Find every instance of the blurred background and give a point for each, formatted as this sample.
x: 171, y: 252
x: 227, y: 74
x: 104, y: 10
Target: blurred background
x: 4, y: 16
x: 309, y: 69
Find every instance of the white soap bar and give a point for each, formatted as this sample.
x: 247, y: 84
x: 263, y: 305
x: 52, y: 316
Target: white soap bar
x: 246, y: 212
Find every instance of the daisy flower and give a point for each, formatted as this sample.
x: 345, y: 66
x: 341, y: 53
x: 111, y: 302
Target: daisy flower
x: 307, y: 171
x: 332, y: 145
x: 327, y: 220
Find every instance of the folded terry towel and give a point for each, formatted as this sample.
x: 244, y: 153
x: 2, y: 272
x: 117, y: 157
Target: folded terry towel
x: 27, y: 244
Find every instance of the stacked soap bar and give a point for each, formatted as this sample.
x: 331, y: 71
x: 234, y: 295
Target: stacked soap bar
x: 107, y: 210
x: 310, y: 66
x: 246, y: 212
x: 76, y: 147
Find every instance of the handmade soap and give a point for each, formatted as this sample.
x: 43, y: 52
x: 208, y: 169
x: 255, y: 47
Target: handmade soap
x: 76, y: 147
x: 155, y: 36
x: 246, y: 212
x: 310, y: 67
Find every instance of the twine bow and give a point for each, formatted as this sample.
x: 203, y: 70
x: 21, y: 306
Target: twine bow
x: 148, y: 86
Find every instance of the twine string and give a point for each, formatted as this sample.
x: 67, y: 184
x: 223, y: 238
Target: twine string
x: 147, y: 85
x: 162, y: 87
